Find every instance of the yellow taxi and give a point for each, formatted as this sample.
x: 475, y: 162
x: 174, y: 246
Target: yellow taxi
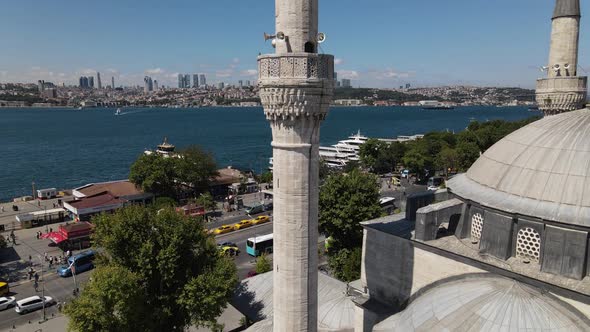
x: 228, y: 248
x: 223, y: 229
x: 4, y: 289
x: 260, y: 220
x: 243, y: 224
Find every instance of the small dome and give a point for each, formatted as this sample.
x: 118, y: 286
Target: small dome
x: 541, y: 170
x: 485, y: 303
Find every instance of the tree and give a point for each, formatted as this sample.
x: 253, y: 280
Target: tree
x: 263, y: 264
x: 266, y: 177
x: 417, y: 159
x: 467, y: 154
x: 447, y: 158
x: 155, y: 174
x: 196, y: 168
x: 345, y: 201
x: 370, y: 151
x: 346, y: 264
x: 164, y: 202
x: 167, y: 176
x: 206, y: 201
x: 165, y: 261
x: 112, y: 299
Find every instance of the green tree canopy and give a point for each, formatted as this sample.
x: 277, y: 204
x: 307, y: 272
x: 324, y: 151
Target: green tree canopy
x: 263, y: 264
x: 168, y: 176
x: 206, y: 201
x: 345, y: 201
x: 164, y: 261
x: 196, y: 168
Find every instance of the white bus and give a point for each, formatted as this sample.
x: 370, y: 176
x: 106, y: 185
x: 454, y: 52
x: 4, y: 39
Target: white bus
x: 256, y: 246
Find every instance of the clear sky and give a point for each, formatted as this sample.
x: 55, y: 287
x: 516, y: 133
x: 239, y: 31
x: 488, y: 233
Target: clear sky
x: 377, y: 43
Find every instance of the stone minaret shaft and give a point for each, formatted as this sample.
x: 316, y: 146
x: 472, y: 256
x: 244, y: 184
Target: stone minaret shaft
x: 563, y: 90
x: 296, y: 87
x: 565, y: 32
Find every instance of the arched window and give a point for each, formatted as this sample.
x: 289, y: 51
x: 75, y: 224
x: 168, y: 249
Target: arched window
x: 528, y: 244
x: 476, y: 226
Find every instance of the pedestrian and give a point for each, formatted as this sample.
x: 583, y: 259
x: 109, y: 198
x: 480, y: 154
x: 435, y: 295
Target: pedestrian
x: 50, y: 230
x: 37, y: 235
x: 68, y: 253
x: 45, y: 256
x: 30, y: 260
x: 50, y: 261
x: 31, y: 271
x: 36, y: 277
x: 38, y: 203
x: 2, y: 208
x: 36, y: 285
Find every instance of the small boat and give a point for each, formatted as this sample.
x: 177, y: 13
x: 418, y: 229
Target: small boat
x: 118, y: 111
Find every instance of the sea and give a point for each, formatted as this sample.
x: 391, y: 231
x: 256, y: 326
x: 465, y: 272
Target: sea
x: 68, y: 148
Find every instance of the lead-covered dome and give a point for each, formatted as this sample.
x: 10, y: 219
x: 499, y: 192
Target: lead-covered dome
x: 541, y: 170
x: 485, y: 303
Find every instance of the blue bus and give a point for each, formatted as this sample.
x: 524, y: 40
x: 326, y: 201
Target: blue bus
x: 78, y: 264
x: 256, y: 246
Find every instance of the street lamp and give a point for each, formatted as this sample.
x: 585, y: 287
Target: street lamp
x: 42, y: 288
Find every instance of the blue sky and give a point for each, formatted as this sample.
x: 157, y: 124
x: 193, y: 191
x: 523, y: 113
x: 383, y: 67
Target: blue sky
x: 377, y: 43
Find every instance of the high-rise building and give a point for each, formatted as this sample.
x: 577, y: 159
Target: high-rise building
x: 180, y: 81
x: 295, y: 106
x: 91, y: 82
x: 113, y: 82
x: 335, y: 76
x: 148, y: 84
x: 202, y: 80
x: 187, y: 81
x: 346, y: 83
x: 248, y: 83
x: 220, y: 85
x: 41, y: 86
x: 84, y: 82
x: 195, y: 80
x: 408, y: 85
x: 98, y: 80
x: 241, y: 84
x: 156, y: 85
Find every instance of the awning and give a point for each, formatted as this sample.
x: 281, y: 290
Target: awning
x: 55, y: 237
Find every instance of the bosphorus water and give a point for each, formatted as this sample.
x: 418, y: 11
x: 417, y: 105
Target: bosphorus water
x: 67, y: 148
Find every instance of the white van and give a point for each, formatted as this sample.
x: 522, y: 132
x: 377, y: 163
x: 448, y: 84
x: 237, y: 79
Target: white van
x: 32, y: 303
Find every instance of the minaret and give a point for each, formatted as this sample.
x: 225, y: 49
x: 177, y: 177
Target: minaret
x: 296, y: 88
x: 563, y: 90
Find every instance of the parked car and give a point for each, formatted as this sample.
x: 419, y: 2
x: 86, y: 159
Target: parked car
x: 242, y: 224
x: 260, y: 220
x: 32, y: 303
x: 79, y: 263
x: 223, y: 229
x: 268, y: 206
x: 7, y: 302
x: 254, y: 209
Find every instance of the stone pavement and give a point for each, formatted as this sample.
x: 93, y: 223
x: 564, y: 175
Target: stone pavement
x: 8, y: 216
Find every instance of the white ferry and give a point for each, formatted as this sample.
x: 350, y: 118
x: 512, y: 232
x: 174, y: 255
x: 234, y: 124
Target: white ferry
x: 166, y: 149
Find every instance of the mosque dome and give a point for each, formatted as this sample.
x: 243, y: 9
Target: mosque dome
x: 541, y: 170
x: 485, y: 303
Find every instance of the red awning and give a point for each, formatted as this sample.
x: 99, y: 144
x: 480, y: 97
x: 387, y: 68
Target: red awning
x: 55, y: 237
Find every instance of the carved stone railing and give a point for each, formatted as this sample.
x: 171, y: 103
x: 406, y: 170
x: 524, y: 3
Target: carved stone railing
x: 306, y: 66
x: 561, y: 94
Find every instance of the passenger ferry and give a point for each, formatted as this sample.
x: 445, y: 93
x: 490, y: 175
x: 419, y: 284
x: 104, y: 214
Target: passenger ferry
x: 166, y: 149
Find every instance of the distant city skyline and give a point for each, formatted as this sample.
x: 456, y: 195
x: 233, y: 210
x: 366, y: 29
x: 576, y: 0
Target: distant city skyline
x: 379, y: 43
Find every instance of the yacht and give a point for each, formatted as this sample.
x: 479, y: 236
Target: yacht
x: 118, y: 111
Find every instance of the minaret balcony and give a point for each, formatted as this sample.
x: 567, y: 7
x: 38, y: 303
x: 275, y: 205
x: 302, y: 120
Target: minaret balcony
x: 561, y: 94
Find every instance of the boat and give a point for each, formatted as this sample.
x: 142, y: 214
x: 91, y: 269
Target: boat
x: 118, y: 111
x: 165, y: 149
x: 435, y: 105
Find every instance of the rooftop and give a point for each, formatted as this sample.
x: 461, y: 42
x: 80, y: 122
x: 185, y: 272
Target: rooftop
x: 104, y: 199
x: 541, y: 170
x: 116, y: 188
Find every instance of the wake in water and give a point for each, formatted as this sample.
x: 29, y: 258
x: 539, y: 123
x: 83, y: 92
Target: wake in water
x: 130, y: 112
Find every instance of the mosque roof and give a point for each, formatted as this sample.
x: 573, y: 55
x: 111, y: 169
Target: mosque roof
x: 541, y: 170
x: 486, y: 303
x: 254, y: 299
x: 565, y: 8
